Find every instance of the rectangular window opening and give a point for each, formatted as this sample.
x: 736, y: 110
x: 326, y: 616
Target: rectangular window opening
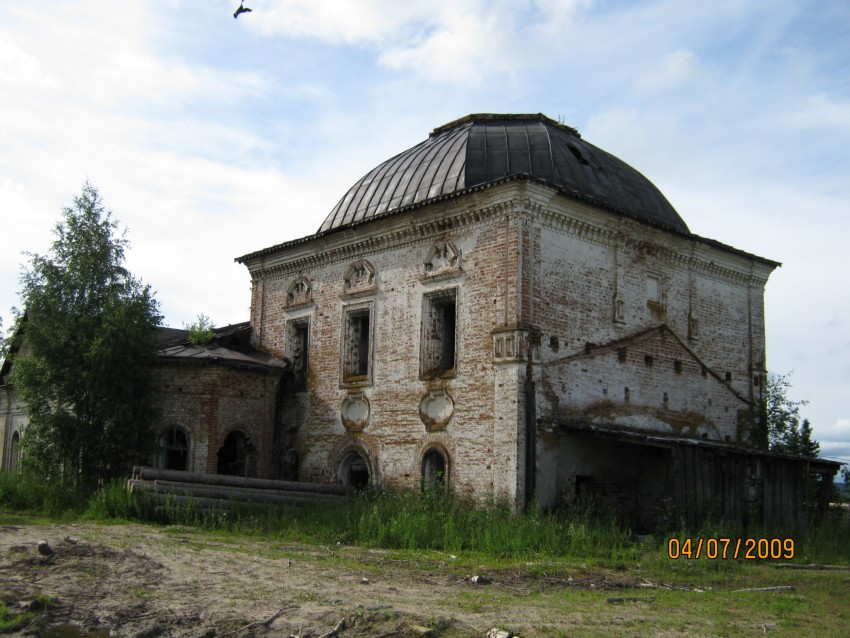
x: 356, y: 354
x: 653, y: 288
x: 297, y: 347
x: 439, y: 334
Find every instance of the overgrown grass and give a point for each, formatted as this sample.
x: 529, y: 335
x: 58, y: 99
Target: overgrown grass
x: 25, y: 492
x: 10, y: 621
x: 413, y: 521
x: 439, y: 521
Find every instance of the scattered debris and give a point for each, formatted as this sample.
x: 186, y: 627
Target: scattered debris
x: 777, y: 588
x: 260, y: 623
x: 630, y: 599
x: 335, y: 631
x: 648, y: 584
x: 813, y: 566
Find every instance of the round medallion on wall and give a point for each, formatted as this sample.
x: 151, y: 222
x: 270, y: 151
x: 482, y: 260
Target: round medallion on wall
x: 436, y: 409
x: 354, y: 412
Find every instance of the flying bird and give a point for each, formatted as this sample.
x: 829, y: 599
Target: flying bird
x: 241, y: 9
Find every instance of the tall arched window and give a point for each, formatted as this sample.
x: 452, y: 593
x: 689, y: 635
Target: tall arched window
x: 15, y: 452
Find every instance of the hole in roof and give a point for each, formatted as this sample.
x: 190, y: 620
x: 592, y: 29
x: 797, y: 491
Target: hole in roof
x: 577, y: 154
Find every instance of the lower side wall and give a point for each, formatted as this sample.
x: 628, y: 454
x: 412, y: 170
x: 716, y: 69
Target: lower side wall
x: 658, y: 483
x: 223, y: 417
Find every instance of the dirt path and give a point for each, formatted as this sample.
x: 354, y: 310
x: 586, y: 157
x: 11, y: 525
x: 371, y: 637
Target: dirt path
x: 140, y: 581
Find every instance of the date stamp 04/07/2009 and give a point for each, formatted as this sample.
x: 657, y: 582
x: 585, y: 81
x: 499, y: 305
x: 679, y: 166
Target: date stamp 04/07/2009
x: 731, y: 548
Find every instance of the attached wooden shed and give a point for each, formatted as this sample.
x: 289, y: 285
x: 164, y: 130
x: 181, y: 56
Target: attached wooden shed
x: 697, y: 481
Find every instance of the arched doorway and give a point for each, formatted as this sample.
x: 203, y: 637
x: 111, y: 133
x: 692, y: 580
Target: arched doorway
x: 237, y: 455
x: 434, y: 469
x: 290, y: 466
x: 354, y: 470
x: 173, y: 450
x: 15, y: 452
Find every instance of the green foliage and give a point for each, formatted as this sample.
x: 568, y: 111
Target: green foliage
x: 25, y: 492
x: 786, y: 432
x: 114, y: 502
x: 85, y: 370
x: 201, y: 331
x: 826, y: 541
x: 440, y: 521
x: 10, y: 621
x: 431, y: 521
x: 12, y: 337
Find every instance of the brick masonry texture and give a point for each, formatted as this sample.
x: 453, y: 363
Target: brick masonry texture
x: 208, y: 402
x: 547, y: 290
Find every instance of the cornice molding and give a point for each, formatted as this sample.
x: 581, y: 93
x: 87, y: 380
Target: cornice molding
x: 385, y: 235
x: 519, y: 199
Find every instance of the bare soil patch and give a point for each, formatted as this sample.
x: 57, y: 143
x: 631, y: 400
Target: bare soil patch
x: 142, y: 582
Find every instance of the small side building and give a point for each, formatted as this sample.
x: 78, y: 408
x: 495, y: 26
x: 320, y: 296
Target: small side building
x: 218, y: 405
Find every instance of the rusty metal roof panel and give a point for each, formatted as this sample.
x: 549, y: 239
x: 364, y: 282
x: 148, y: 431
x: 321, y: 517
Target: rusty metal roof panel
x: 429, y: 169
x: 480, y: 149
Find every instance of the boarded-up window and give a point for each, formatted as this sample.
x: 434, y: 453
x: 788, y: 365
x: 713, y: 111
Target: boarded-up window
x: 439, y: 334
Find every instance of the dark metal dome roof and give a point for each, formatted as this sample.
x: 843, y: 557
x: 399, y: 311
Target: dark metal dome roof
x: 479, y: 149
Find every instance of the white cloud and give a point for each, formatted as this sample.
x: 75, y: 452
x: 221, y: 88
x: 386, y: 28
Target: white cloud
x: 820, y: 112
x: 21, y: 69
x: 834, y: 440
x: 451, y: 42
x: 677, y: 70
x: 464, y: 46
x: 366, y: 22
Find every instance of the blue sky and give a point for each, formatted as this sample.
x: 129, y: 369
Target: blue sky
x: 211, y: 137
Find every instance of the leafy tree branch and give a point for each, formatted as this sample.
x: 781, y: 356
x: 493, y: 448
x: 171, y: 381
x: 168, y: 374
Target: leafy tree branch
x: 85, y: 374
x: 787, y: 432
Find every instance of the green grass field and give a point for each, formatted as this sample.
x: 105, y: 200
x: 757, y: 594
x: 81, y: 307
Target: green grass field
x: 555, y: 571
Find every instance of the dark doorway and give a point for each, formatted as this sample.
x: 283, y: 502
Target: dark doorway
x: 290, y: 466
x: 15, y: 452
x: 433, y: 469
x: 354, y: 471
x: 237, y: 456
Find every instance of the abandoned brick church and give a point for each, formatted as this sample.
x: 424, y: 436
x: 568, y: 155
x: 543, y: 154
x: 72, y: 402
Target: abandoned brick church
x: 508, y: 310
